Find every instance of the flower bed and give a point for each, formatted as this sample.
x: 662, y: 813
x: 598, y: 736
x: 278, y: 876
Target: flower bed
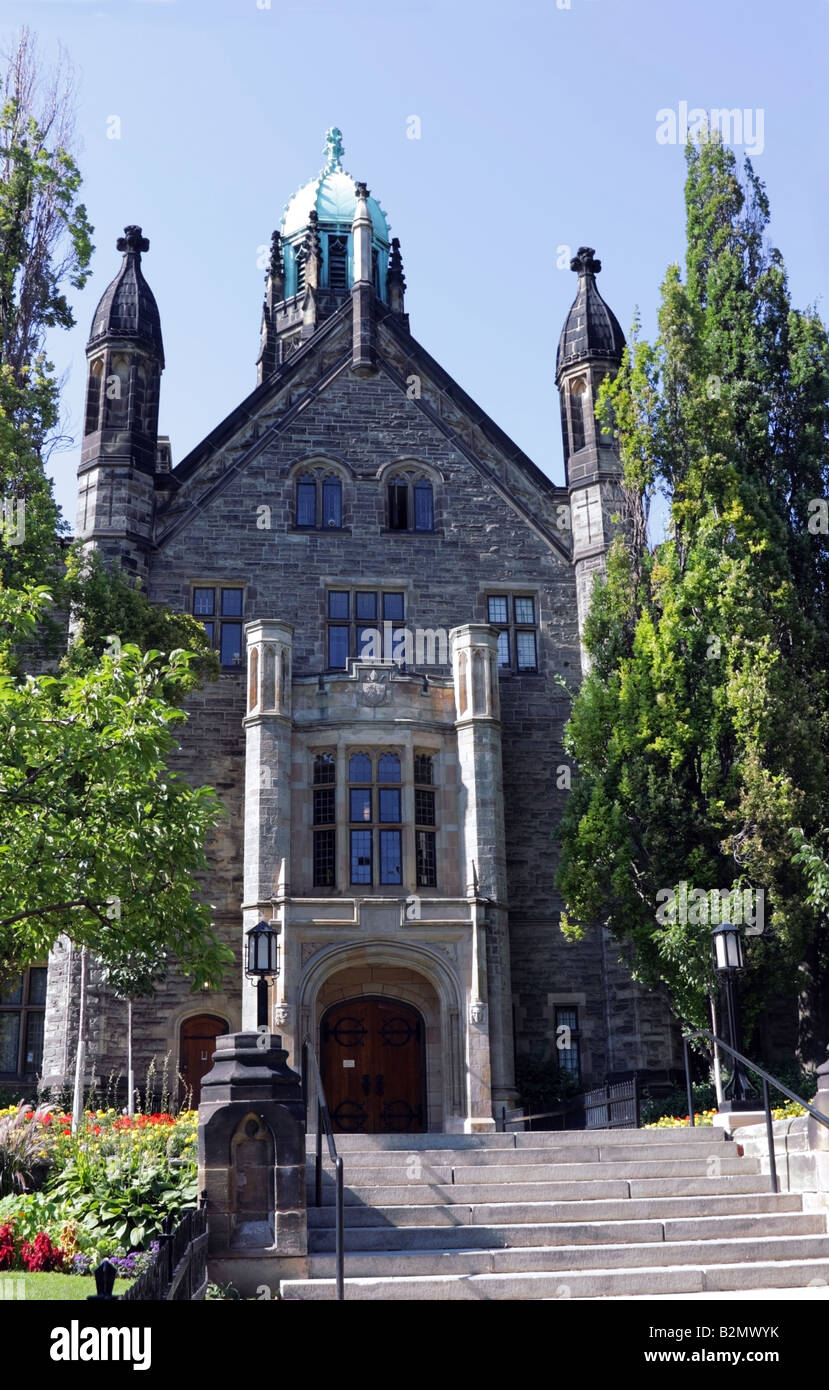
x: 783, y: 1112
x: 101, y: 1192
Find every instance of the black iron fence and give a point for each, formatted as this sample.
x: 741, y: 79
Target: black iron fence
x: 177, y: 1274
x: 614, y: 1105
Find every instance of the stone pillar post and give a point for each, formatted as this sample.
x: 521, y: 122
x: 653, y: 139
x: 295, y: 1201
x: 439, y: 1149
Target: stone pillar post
x: 483, y: 856
x: 818, y: 1133
x: 362, y: 290
x: 252, y: 1164
x: 267, y: 778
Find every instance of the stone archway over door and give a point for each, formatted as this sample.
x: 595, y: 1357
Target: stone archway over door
x: 197, y: 1043
x: 373, y: 1066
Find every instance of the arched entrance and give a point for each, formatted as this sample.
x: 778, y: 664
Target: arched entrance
x: 372, y: 1052
x: 197, y: 1043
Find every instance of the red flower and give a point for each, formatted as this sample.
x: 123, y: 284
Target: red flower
x: 6, y: 1247
x: 42, y: 1255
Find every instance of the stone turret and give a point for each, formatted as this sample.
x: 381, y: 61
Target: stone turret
x: 119, y: 456
x: 589, y: 350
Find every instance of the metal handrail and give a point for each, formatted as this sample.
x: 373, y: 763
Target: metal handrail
x: 768, y: 1080
x: 324, y: 1122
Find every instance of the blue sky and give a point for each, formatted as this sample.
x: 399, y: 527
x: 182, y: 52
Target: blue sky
x: 538, y: 131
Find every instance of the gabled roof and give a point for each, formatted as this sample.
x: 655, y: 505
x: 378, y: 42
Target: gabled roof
x: 251, y: 409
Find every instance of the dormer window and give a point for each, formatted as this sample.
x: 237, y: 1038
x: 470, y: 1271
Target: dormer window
x: 411, y: 503
x: 319, y: 501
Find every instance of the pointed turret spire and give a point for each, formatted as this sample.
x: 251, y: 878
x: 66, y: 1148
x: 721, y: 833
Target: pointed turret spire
x: 591, y: 329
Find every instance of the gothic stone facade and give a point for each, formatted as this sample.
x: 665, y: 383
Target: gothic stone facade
x: 356, y: 475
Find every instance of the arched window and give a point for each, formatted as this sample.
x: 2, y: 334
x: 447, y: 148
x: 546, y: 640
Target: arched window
x: 424, y: 512
x: 565, y: 433
x: 411, y: 502
x: 253, y: 692
x: 93, y: 396
x: 116, y: 390
x: 332, y: 503
x: 388, y: 768
x: 359, y: 768
x: 319, y: 501
x: 578, y: 395
x: 306, y: 500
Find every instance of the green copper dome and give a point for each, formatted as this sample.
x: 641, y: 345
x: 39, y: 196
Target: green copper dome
x: 331, y: 194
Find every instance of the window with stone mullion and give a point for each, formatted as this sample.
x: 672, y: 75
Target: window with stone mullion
x: 22, y: 1018
x: 375, y: 820
x: 425, y: 822
x: 324, y: 819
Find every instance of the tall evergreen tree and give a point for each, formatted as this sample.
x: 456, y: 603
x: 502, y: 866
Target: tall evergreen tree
x: 702, y: 729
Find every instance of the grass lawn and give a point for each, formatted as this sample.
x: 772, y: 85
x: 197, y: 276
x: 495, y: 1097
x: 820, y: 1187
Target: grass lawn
x: 46, y: 1287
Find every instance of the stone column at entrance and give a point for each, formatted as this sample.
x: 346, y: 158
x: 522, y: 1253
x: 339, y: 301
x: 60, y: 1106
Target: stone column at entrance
x: 481, y: 815
x: 252, y: 1164
x: 268, y: 726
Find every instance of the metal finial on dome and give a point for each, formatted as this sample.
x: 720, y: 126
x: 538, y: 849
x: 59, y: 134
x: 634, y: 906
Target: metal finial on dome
x: 584, y: 261
x: 132, y: 240
x: 333, y: 150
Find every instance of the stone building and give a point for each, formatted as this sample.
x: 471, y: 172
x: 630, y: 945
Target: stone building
x: 396, y: 594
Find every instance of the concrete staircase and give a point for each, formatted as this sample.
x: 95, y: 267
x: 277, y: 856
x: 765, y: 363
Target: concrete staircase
x: 598, y: 1214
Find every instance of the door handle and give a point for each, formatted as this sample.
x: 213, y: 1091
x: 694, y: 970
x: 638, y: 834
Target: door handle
x: 378, y: 1084
x: 366, y: 1084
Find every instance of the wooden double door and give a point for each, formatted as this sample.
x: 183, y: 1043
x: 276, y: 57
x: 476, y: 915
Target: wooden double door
x: 373, y: 1069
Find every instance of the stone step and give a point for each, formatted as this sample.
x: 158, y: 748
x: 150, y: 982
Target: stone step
x: 373, y: 1143
x: 711, y: 1165
x: 576, y: 1190
x: 393, y: 1159
x: 578, y: 1233
x: 565, y: 1258
x: 594, y: 1283
x: 524, y: 1213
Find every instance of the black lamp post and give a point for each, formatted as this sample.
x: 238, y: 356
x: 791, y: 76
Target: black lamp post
x: 728, y: 953
x: 262, y: 965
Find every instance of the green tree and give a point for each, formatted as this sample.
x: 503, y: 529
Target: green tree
x: 702, y: 730
x: 98, y: 839
x: 45, y: 247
